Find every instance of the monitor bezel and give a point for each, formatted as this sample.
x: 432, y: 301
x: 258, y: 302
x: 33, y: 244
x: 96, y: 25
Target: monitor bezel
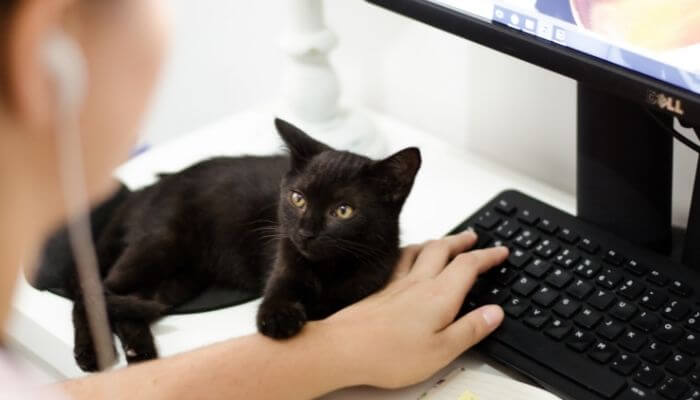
x: 584, y: 68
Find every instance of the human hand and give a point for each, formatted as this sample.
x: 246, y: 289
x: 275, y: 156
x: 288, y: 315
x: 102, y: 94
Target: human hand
x: 407, y: 331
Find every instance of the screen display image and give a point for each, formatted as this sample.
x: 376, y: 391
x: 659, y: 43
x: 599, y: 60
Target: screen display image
x: 658, y: 38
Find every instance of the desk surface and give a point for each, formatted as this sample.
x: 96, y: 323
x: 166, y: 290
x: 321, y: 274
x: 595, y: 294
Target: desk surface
x: 451, y: 185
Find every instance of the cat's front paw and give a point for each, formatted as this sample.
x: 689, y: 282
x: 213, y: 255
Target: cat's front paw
x: 281, y: 320
x: 86, y: 358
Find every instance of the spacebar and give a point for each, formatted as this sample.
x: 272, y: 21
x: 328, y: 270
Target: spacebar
x: 574, y: 366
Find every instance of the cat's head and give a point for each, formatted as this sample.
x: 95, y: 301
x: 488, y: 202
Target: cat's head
x: 336, y: 203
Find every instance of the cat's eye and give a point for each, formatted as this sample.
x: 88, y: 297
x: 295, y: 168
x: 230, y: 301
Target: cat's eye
x: 297, y: 199
x: 344, y: 212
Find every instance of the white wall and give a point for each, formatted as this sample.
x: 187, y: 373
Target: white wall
x: 224, y: 59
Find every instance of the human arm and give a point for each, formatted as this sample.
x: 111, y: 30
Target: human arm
x: 396, y: 337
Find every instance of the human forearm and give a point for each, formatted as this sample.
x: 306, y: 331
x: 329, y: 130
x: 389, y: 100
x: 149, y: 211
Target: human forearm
x: 251, y: 367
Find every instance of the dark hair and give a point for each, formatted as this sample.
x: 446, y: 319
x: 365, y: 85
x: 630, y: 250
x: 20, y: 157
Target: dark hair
x: 7, y: 7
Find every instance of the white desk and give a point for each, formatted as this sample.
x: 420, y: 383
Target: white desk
x: 450, y: 185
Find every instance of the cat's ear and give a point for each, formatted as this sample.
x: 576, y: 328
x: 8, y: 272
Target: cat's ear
x: 397, y: 172
x: 302, y: 147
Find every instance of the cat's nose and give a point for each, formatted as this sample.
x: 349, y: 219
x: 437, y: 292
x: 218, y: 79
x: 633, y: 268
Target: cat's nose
x: 306, y: 234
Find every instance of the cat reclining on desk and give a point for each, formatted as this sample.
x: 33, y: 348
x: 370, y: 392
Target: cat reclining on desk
x: 315, y: 231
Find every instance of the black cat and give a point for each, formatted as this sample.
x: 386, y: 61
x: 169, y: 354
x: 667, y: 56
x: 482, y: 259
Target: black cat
x: 315, y: 231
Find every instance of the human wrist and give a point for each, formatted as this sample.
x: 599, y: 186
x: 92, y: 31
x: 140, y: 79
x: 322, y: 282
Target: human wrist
x: 337, y: 358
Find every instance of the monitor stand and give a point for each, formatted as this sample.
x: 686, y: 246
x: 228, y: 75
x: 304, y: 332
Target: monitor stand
x: 624, y: 169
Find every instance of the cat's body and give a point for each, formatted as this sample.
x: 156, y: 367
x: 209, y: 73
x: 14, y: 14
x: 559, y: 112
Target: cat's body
x: 239, y: 223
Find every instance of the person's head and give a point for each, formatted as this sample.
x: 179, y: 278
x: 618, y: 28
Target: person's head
x: 122, y: 43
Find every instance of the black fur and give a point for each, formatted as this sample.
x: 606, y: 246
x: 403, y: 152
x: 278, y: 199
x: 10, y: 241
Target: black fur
x: 231, y: 222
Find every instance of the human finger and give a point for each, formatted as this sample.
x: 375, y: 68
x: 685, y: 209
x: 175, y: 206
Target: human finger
x: 471, y: 328
x: 436, y: 254
x: 406, y: 260
x: 459, y: 275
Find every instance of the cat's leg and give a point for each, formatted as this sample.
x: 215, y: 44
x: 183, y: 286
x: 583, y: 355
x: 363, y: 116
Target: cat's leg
x: 135, y: 334
x: 282, y: 313
x: 83, y: 348
x: 142, y: 265
x: 137, y: 340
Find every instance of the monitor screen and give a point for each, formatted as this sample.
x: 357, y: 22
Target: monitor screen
x: 660, y: 39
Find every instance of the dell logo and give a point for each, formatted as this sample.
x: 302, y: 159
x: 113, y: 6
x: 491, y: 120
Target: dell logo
x: 665, y: 102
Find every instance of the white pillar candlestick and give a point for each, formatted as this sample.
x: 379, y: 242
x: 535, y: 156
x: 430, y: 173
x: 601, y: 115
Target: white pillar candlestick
x: 310, y: 88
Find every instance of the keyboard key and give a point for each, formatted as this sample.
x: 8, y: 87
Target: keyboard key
x: 681, y: 288
x: 527, y: 217
x: 507, y: 229
x: 690, y: 344
x: 632, y: 340
x: 547, y: 226
x: 610, y: 329
x: 655, y: 352
x: 536, y: 318
x: 567, y: 258
x: 669, y: 333
x: 524, y: 286
x: 515, y: 307
x: 545, y: 296
x: 676, y: 310
x: 518, y: 258
x: 601, y: 299
x: 693, y: 321
x: 494, y: 296
x: 625, y: 364
x: 538, y: 268
x: 653, y: 300
x: 526, y: 239
x: 609, y: 278
x: 631, y: 289
x: 612, y: 257
x: 636, y: 268
x: 488, y: 220
x: 502, y: 275
x: 679, y: 364
x: 568, y: 236
x: 695, y: 375
x: 587, y: 268
x: 602, y: 352
x: 588, y: 318
x: 580, y: 289
x: 547, y: 248
x: 584, y: 371
x: 657, y: 278
x: 557, y: 329
x: 693, y: 394
x: 505, y: 207
x: 673, y: 388
x: 580, y: 340
x: 648, y: 376
x: 559, y: 278
x: 623, y: 310
x: 636, y: 392
x: 588, y: 246
x: 646, y: 322
x: 566, y: 307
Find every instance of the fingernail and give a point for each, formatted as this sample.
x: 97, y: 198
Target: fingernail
x: 469, y: 232
x: 492, y: 315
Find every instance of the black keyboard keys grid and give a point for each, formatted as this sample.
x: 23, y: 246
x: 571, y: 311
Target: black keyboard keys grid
x: 620, y: 328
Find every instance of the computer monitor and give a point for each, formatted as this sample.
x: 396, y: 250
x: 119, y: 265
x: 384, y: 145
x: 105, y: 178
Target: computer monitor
x: 637, y: 63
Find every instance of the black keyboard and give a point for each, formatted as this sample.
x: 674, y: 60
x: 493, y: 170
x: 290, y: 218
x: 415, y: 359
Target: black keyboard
x: 588, y: 315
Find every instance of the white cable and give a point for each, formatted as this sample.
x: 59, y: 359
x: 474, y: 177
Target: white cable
x: 65, y: 59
